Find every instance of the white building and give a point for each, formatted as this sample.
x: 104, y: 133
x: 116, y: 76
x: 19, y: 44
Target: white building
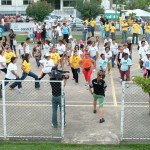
x: 12, y: 7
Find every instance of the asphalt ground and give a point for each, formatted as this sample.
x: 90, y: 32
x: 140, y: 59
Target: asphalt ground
x: 29, y: 114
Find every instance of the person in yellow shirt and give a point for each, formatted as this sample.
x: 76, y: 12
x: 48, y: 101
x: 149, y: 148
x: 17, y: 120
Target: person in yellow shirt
x: 55, y: 56
x: 93, y: 24
x: 75, y: 65
x: 124, y: 31
x: 86, y: 21
x: 113, y: 31
x: 147, y: 32
x: 8, y: 54
x: 107, y: 29
x: 136, y: 29
x: 26, y: 67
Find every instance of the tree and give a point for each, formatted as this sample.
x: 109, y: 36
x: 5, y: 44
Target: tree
x: 89, y: 9
x: 144, y: 83
x: 39, y: 10
x: 140, y: 4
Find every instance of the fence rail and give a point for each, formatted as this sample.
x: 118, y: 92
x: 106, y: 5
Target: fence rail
x: 28, y: 115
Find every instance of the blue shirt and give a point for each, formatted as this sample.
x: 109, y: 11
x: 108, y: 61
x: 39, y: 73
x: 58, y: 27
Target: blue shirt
x: 102, y: 27
x: 125, y: 64
x: 65, y: 30
x: 1, y: 32
x: 103, y: 64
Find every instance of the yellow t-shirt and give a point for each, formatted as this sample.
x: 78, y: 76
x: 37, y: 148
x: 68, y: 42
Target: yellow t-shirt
x: 74, y: 61
x: 147, y: 29
x: 92, y: 23
x: 113, y: 29
x: 55, y: 57
x: 130, y: 21
x: 8, y: 56
x: 107, y: 27
x: 124, y: 27
x: 26, y: 66
x: 86, y: 21
x: 136, y: 28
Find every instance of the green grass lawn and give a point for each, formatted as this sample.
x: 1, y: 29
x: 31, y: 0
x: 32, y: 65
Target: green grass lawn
x: 55, y: 146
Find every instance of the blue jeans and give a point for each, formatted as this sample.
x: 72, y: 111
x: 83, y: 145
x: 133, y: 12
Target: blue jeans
x: 124, y: 36
x: 56, y: 101
x: 135, y: 35
x: 94, y: 58
x: 113, y: 60
x: 84, y: 36
x: 37, y: 61
x: 102, y: 34
x: 107, y: 33
x: 31, y: 74
x: 148, y: 37
x: 14, y: 84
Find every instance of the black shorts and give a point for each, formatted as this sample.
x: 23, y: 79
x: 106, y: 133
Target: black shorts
x: 148, y: 72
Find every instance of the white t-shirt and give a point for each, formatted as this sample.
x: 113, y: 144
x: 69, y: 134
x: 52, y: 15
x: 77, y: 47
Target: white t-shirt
x: 61, y: 49
x: 142, y: 51
x: 59, y: 30
x: 126, y: 51
x: 80, y: 52
x: 146, y: 62
x: 11, y: 67
x: 48, y: 64
x: 46, y: 48
x: 105, y: 41
x: 35, y: 27
x: 27, y: 49
x: 73, y: 44
x: 2, y: 22
x: 3, y: 61
x: 20, y: 47
x: 114, y: 48
x: 108, y: 55
x: 93, y: 51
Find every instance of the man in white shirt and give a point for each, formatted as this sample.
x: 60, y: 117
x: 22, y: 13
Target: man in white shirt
x: 93, y: 50
x: 142, y: 53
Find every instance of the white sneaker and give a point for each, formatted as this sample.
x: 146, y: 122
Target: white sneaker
x: 94, y: 70
x: 127, y: 85
x: 20, y: 91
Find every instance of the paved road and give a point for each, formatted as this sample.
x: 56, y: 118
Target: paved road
x: 30, y: 113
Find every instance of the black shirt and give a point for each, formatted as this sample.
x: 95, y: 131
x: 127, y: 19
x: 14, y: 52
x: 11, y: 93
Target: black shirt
x: 12, y: 36
x: 56, y: 88
x: 99, y: 88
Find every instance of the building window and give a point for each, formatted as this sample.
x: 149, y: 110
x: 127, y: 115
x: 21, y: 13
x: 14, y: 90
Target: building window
x: 67, y: 3
x: 27, y: 2
x: 6, y: 2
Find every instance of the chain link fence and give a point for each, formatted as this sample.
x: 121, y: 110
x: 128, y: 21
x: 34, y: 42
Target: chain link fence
x: 135, y: 115
x: 28, y: 114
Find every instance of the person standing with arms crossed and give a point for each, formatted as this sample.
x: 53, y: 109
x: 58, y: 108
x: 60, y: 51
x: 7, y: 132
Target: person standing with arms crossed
x: 99, y: 87
x: 136, y: 29
x: 124, y: 31
x: 93, y: 24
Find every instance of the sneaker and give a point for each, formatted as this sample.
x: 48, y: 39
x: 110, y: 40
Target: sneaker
x: 94, y: 111
x: 20, y: 91
x: 127, y: 85
x: 121, y: 80
x: 87, y: 87
x: 94, y: 70
x: 54, y: 126
x: 101, y: 120
x: 86, y: 84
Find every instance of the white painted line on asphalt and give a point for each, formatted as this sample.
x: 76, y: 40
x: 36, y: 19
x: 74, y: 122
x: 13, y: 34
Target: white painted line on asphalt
x: 113, y: 89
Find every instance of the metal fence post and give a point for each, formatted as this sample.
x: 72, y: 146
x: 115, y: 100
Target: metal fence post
x: 4, y: 109
x: 122, y: 109
x: 62, y: 109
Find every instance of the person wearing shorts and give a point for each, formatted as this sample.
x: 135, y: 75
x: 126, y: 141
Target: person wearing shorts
x: 98, y: 92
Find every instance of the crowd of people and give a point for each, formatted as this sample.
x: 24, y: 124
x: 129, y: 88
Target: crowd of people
x: 85, y: 55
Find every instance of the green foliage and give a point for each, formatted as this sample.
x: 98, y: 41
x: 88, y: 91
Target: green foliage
x: 89, y: 10
x: 132, y: 15
x: 39, y: 10
x: 143, y: 83
x: 138, y: 4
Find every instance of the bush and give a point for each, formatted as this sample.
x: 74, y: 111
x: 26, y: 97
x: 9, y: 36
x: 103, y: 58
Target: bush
x: 39, y: 10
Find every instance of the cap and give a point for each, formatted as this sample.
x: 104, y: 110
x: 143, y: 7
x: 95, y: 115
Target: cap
x: 87, y: 53
x: 70, y: 37
x: 81, y: 42
x: 47, y: 55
